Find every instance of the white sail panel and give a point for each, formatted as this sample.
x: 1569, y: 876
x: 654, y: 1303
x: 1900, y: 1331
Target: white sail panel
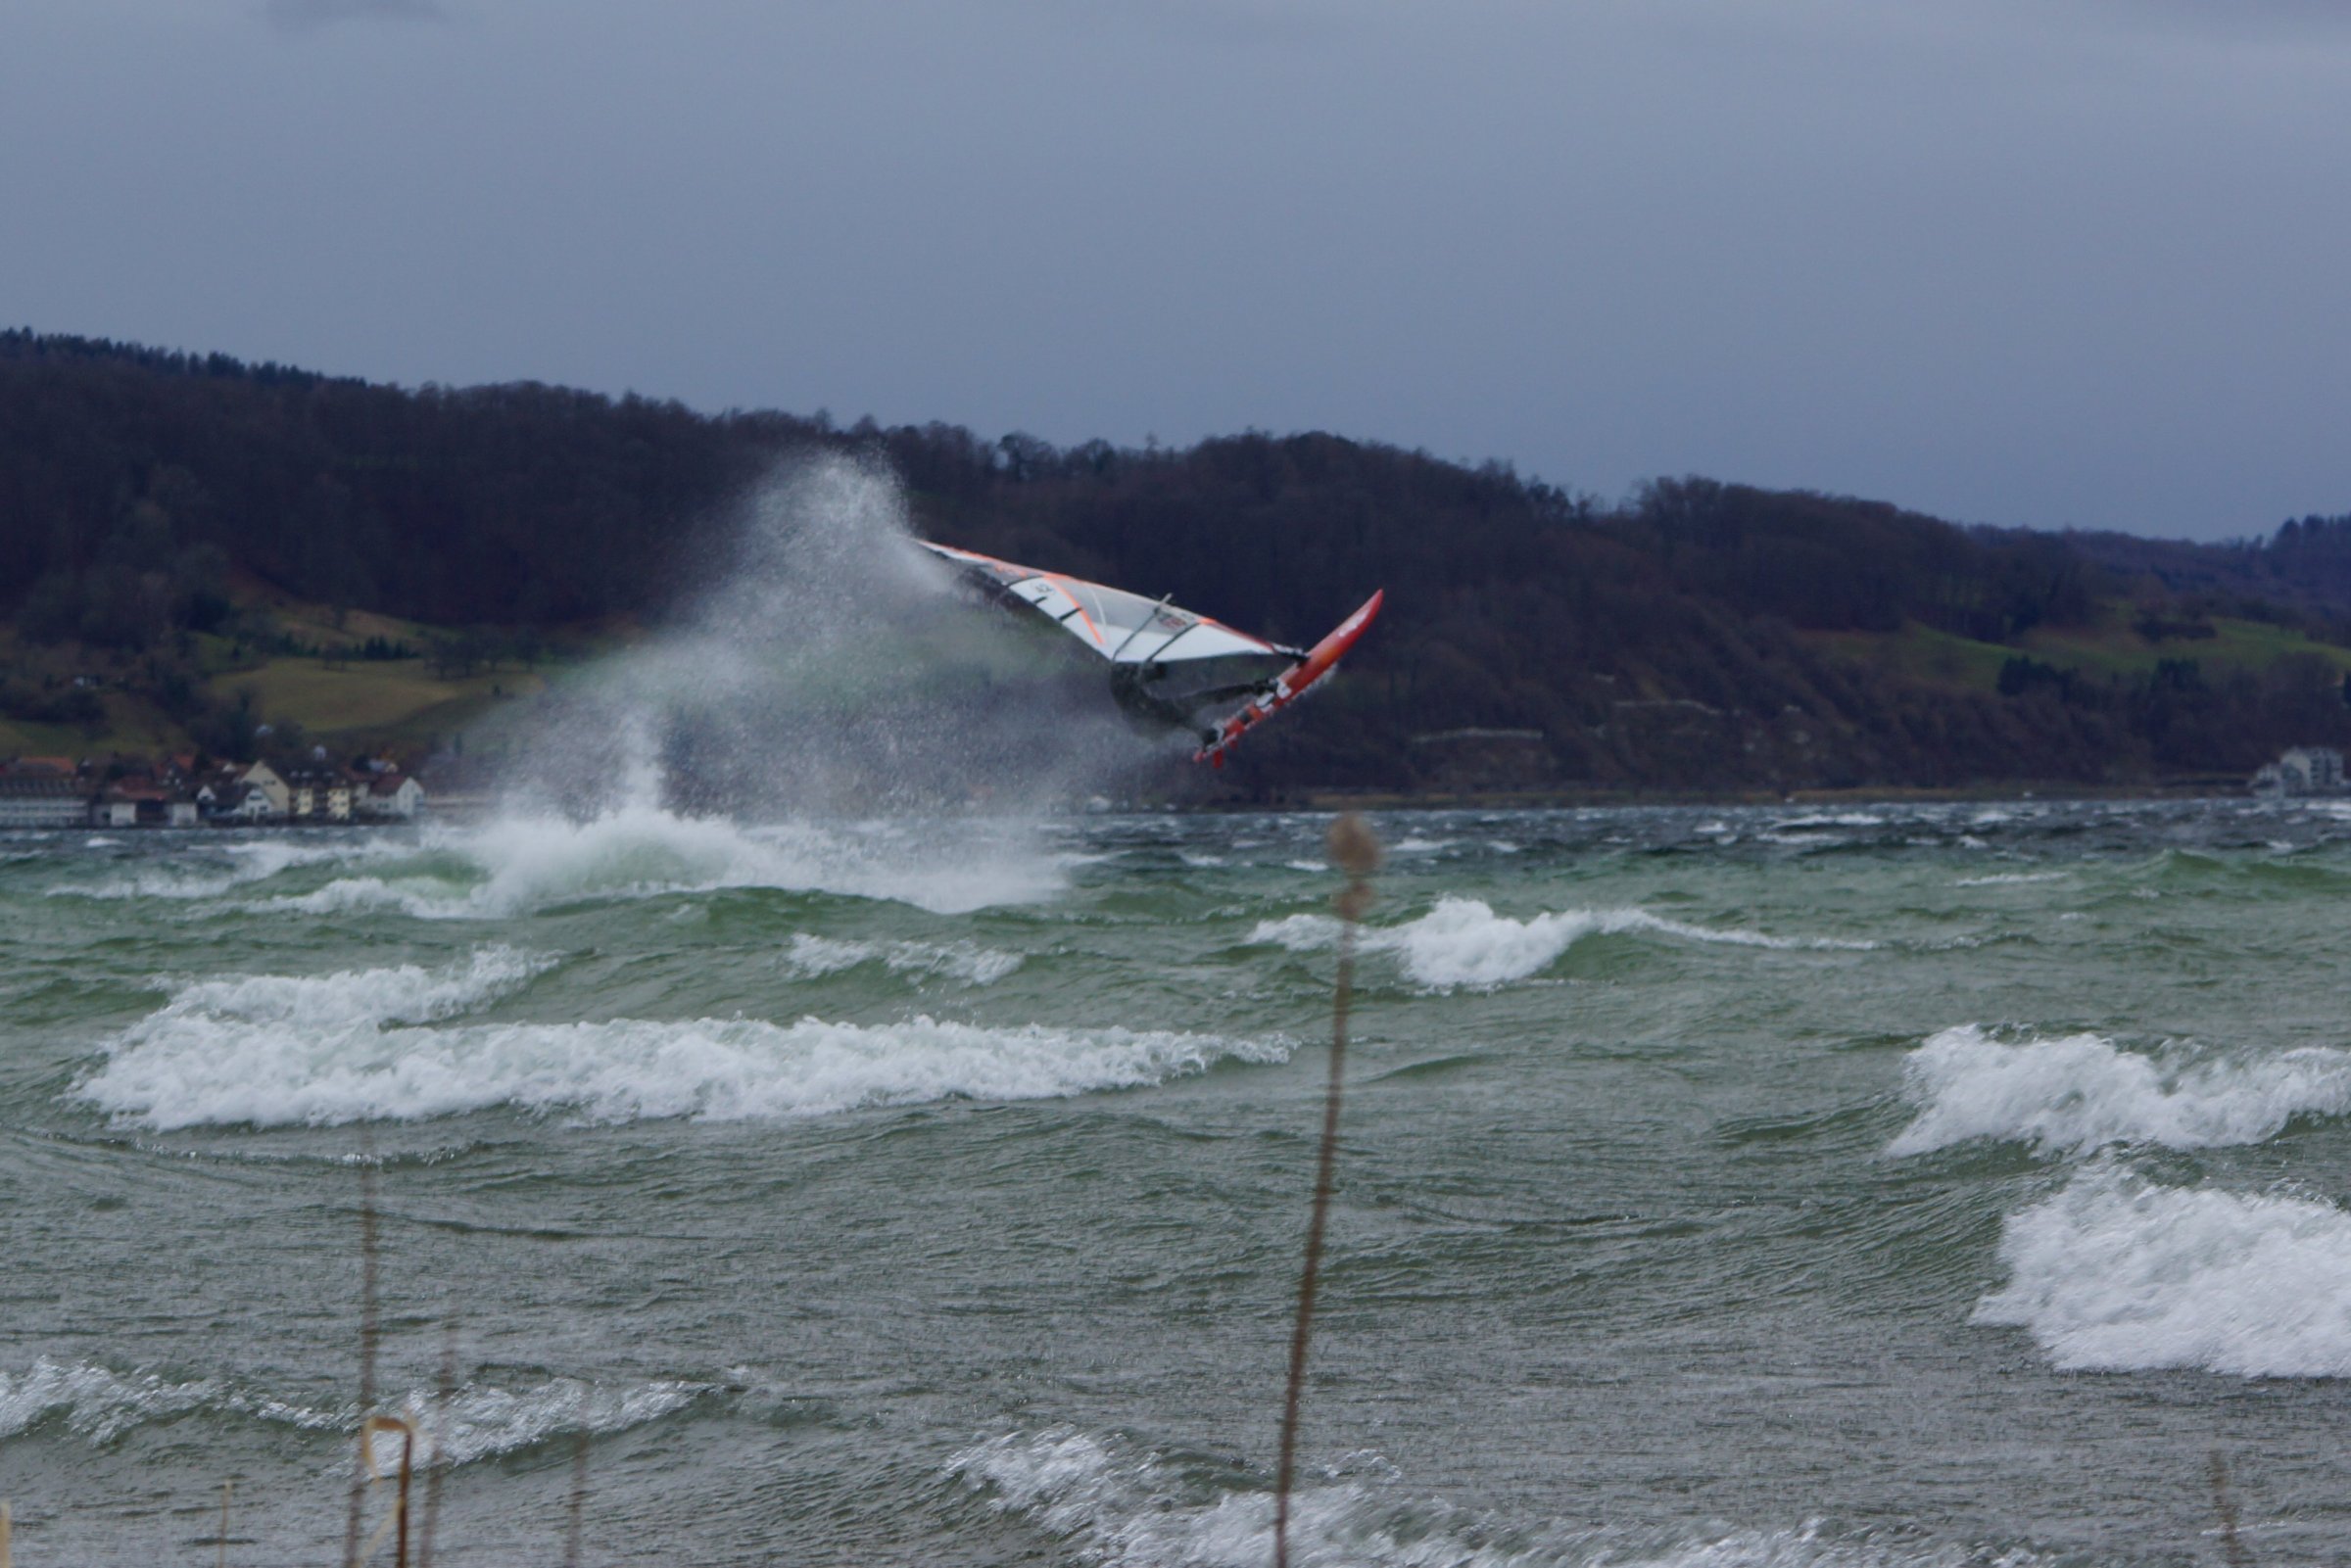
x: 1125, y: 627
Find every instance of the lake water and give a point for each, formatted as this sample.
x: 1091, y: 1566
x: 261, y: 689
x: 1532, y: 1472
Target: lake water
x: 1905, y: 1184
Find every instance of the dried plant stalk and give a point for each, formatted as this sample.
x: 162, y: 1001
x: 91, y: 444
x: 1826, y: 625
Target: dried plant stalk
x: 367, y: 1336
x: 2224, y: 1503
x: 579, y: 1499
x: 1355, y: 849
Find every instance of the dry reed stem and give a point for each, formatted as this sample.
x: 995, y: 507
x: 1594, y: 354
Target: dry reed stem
x: 408, y: 1459
x: 1355, y: 849
x: 367, y: 1336
x: 579, y: 1499
x: 2233, y: 1549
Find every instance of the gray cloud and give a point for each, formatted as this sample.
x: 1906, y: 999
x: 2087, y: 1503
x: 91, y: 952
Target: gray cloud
x: 304, y: 16
x: 2230, y: 17
x: 2039, y: 261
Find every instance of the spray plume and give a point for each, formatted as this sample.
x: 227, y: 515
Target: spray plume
x: 828, y: 670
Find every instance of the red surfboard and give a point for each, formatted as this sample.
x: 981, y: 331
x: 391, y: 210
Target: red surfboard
x: 1295, y: 682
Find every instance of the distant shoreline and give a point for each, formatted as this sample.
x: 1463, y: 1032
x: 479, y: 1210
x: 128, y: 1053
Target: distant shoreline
x: 473, y: 808
x: 2202, y: 789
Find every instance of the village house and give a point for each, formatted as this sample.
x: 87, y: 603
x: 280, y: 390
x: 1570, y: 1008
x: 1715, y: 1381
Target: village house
x: 233, y: 801
x: 319, y: 796
x: 394, y: 795
x: 267, y: 779
x: 115, y: 807
x: 57, y: 793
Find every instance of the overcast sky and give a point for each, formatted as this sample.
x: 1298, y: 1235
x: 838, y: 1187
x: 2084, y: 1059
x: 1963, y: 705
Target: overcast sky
x: 2041, y: 261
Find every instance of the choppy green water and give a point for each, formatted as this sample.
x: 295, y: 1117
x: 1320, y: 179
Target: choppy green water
x: 1896, y: 1185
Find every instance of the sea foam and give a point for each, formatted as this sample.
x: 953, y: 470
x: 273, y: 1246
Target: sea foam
x: 2077, y: 1093
x: 2114, y: 1274
x: 218, y: 870
x: 1114, y: 1505
x: 1462, y: 944
x: 478, y: 1422
x: 523, y: 862
x: 964, y: 962
x: 277, y: 1051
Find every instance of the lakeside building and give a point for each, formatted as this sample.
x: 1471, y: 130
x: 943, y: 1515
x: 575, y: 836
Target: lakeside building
x: 42, y: 802
x: 2302, y: 771
x: 57, y: 793
x: 264, y: 777
x: 396, y: 795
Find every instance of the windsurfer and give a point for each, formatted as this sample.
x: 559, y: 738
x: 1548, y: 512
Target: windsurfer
x: 1130, y: 685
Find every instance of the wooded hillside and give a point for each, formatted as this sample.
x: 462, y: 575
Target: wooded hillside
x: 1698, y: 636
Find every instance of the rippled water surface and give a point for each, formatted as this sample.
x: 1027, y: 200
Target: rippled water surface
x: 1880, y: 1185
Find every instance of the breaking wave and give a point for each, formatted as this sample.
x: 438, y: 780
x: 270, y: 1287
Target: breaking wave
x: 1462, y: 944
x: 963, y: 962
x: 2079, y: 1092
x: 102, y: 1405
x: 2115, y: 1274
x: 224, y: 867
x: 1114, y: 1506
x: 525, y: 863
x: 276, y: 1051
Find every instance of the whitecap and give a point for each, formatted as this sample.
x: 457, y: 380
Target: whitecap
x: 2113, y: 1274
x: 94, y: 1401
x: 1115, y: 1505
x: 965, y: 962
x: 477, y: 1421
x: 1463, y: 943
x: 811, y: 956
x: 483, y: 1421
x: 525, y: 863
x: 276, y: 1051
x: 222, y: 869
x: 2078, y: 1092
x: 425, y: 898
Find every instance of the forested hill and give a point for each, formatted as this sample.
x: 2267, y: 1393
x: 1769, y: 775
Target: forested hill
x: 1700, y: 636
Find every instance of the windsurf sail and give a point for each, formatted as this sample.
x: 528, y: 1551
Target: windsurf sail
x: 1169, y: 667
x: 1123, y: 627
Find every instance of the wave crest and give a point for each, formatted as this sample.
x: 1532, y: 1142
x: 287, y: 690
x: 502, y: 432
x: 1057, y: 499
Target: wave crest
x: 479, y: 1421
x: 1462, y: 944
x: 1114, y: 1506
x: 277, y: 1051
x: 966, y: 963
x: 2080, y: 1092
x: 520, y: 864
x: 2112, y: 1275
